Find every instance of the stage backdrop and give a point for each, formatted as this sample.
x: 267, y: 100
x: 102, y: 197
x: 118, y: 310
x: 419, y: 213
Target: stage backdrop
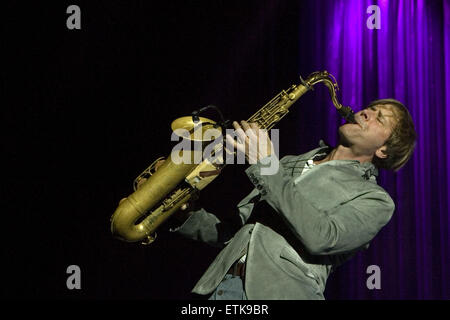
x: 406, y: 59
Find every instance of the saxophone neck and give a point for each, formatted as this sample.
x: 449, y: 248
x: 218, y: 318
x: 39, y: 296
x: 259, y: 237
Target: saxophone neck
x: 330, y: 81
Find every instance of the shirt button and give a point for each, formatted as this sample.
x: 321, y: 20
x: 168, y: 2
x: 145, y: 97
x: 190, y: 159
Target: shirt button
x: 220, y: 292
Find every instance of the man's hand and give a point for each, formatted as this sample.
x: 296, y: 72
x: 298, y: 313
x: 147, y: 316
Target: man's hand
x: 253, y: 141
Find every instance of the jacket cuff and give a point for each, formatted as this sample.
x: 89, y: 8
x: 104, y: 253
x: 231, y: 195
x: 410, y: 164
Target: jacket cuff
x: 188, y: 222
x: 263, y: 172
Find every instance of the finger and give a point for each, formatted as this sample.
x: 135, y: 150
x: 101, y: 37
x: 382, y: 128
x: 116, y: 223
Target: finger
x: 231, y: 142
x: 260, y: 132
x: 245, y: 125
x: 184, y: 206
x: 236, y: 125
x: 242, y: 137
x: 249, y: 131
x: 255, y: 126
x: 234, y: 144
x: 159, y: 164
x: 141, y: 181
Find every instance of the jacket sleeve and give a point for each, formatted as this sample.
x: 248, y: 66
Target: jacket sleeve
x: 349, y: 226
x: 206, y: 227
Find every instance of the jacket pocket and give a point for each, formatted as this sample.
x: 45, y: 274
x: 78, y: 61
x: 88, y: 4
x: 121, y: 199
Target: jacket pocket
x: 289, y: 254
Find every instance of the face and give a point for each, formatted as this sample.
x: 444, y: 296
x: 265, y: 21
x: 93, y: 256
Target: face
x: 374, y: 126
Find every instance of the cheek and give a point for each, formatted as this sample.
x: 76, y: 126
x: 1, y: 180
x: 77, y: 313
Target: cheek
x: 349, y: 130
x: 380, y: 137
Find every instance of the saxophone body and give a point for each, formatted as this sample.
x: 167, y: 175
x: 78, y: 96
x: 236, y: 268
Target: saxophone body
x: 164, y: 192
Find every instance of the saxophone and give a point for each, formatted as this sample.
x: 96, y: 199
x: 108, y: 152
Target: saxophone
x: 167, y: 189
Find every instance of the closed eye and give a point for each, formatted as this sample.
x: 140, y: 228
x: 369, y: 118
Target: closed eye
x: 381, y: 118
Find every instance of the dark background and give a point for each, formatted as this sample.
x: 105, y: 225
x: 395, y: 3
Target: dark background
x: 85, y: 111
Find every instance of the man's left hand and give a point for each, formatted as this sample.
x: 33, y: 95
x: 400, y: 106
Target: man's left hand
x: 251, y: 140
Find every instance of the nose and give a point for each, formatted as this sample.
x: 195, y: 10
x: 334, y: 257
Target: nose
x: 365, y: 115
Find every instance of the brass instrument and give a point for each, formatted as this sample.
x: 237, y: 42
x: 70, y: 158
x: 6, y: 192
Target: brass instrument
x: 172, y: 185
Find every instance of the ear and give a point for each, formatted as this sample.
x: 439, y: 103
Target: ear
x: 381, y: 152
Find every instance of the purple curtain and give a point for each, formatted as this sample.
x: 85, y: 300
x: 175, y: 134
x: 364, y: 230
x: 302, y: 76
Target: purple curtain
x: 406, y: 59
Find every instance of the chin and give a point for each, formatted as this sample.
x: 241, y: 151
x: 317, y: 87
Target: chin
x: 343, y: 138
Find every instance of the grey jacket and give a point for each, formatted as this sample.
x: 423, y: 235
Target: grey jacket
x: 334, y: 209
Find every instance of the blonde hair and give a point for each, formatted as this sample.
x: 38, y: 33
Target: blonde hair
x: 401, y: 143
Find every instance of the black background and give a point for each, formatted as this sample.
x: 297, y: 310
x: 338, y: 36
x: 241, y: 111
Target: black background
x: 85, y: 111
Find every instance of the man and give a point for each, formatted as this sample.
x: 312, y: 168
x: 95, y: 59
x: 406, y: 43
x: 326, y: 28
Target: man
x: 313, y: 214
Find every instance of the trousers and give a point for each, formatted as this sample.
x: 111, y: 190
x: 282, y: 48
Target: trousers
x: 231, y: 288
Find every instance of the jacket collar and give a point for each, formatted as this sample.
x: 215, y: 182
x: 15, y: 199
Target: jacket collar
x: 367, y: 169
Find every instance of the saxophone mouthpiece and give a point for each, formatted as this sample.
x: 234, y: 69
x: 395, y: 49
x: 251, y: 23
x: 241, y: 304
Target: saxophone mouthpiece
x: 348, y: 114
